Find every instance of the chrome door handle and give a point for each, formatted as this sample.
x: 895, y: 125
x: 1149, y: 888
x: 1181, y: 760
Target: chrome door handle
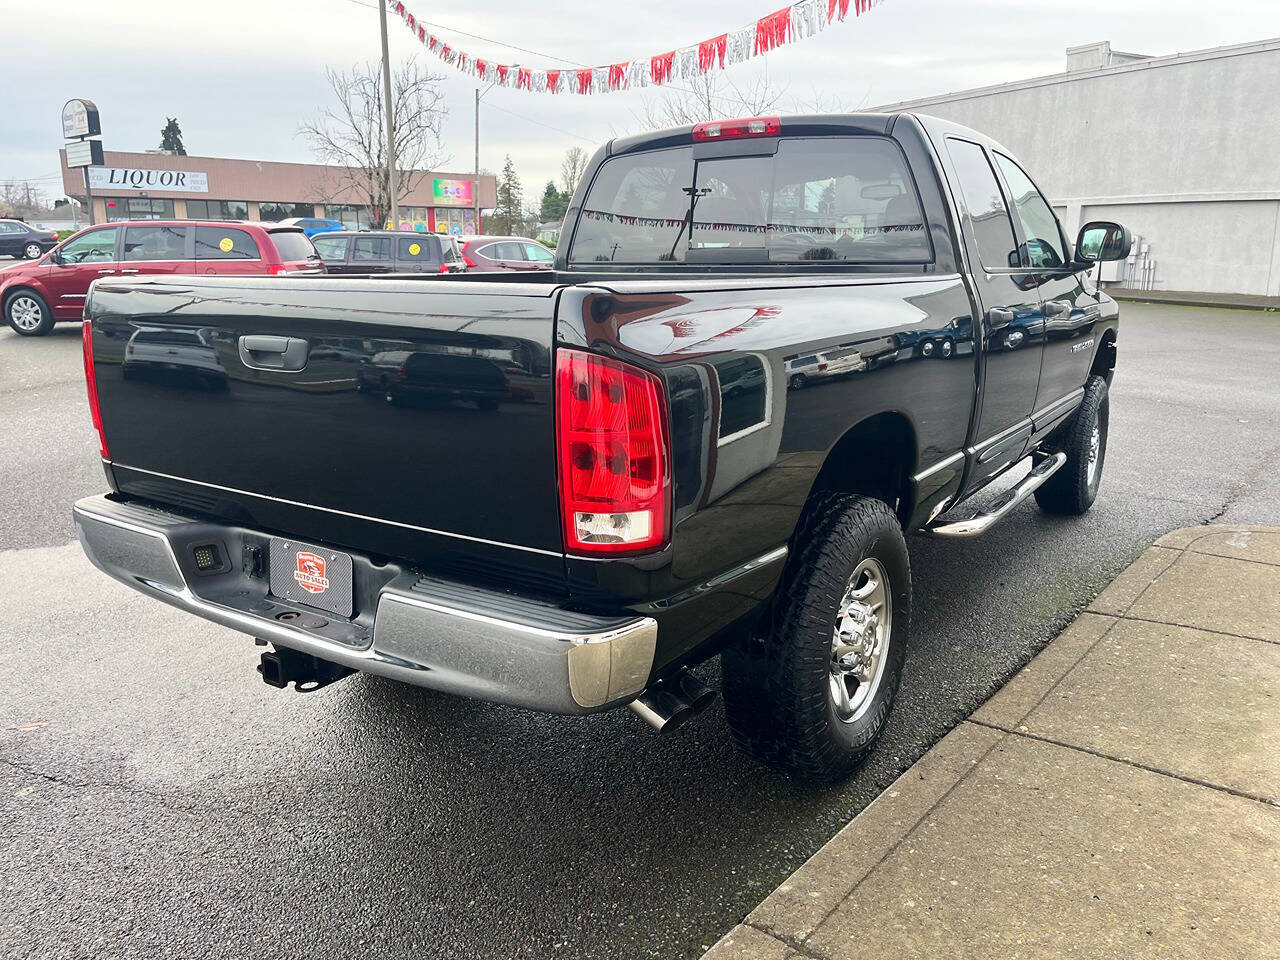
x: 106, y: 271
x: 261, y: 352
x: 129, y: 271
x: 1000, y: 316
x: 1057, y: 308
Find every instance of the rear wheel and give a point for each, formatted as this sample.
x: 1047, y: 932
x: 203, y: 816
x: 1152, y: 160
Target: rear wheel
x: 811, y: 693
x: 32, y: 251
x: 28, y: 314
x: 1074, y: 487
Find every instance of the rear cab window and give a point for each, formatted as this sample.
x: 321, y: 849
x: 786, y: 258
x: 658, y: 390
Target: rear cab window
x: 848, y: 200
x: 292, y: 245
x: 225, y: 243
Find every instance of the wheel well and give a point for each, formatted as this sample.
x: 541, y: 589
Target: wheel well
x: 875, y: 458
x: 10, y: 294
x: 1104, y: 359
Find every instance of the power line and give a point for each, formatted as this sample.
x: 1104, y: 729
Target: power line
x: 521, y: 116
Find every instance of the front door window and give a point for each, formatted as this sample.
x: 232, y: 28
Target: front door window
x: 95, y: 246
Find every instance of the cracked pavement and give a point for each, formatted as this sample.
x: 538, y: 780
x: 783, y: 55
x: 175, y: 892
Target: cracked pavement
x: 156, y: 796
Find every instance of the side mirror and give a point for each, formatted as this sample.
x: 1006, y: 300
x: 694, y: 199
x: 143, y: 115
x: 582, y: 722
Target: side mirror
x: 56, y: 257
x: 1101, y: 240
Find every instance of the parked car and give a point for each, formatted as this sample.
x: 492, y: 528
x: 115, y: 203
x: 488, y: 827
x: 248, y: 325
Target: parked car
x: 34, y: 296
x: 506, y: 253
x: 660, y: 497
x: 18, y: 239
x: 387, y: 251
x: 312, y: 225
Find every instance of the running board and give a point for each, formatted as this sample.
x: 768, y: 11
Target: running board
x: 1005, y: 504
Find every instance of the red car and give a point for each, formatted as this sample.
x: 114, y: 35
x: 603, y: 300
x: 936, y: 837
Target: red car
x: 36, y: 295
x: 506, y: 253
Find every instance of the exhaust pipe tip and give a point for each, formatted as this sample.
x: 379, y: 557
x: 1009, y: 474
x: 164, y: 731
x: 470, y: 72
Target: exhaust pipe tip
x: 673, y: 701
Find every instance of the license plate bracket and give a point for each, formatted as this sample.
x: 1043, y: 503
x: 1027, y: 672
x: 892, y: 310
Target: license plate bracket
x: 312, y: 575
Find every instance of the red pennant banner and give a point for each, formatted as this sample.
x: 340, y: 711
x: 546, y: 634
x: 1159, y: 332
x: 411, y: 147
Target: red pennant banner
x: 711, y: 52
x: 772, y: 31
x: 799, y: 21
x: 660, y: 67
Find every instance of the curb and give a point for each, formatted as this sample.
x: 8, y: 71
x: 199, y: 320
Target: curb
x: 903, y: 815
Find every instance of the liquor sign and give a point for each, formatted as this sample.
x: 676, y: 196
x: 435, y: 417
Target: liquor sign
x: 80, y: 119
x: 84, y: 153
x: 136, y: 178
x: 451, y: 193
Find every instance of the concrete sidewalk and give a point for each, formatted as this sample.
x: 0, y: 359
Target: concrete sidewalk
x: 1119, y: 797
x: 1238, y: 301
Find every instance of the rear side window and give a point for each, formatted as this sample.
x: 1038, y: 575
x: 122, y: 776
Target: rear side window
x: 506, y: 250
x: 1039, y: 225
x: 988, y: 213
x: 292, y: 245
x: 538, y: 253
x: 843, y: 199
x: 366, y: 249
x: 415, y: 248
x: 225, y: 243
x: 332, y: 248
x: 155, y: 243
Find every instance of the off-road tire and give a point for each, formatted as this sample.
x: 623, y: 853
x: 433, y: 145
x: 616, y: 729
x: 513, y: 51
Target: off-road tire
x: 776, y: 683
x: 1072, y: 490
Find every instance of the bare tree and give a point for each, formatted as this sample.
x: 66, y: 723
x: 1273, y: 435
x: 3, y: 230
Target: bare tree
x: 711, y: 96
x: 572, y: 167
x: 352, y: 135
x: 22, y: 198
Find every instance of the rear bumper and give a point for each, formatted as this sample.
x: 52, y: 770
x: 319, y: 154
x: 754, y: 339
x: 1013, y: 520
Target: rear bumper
x: 446, y: 636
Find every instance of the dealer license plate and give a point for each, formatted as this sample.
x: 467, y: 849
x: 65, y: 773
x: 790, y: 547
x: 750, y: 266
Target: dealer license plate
x: 312, y: 575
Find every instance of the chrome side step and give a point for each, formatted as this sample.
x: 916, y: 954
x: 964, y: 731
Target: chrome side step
x: 1004, y: 505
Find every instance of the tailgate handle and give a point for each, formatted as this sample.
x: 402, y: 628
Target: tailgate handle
x: 273, y: 353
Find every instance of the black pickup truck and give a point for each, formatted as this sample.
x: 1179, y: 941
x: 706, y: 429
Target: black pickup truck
x: 770, y: 347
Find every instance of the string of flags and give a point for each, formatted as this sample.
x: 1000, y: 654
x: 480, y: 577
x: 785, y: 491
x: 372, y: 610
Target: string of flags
x: 791, y: 24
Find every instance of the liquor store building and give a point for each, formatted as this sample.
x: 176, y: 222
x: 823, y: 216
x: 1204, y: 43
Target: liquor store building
x: 160, y: 186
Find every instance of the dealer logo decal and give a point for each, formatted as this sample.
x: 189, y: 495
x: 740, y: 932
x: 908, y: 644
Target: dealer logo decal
x: 310, y: 573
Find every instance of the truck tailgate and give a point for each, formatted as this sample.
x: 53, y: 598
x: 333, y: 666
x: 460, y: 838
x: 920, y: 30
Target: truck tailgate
x: 422, y: 416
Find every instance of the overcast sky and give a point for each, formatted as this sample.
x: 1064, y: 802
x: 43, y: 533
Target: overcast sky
x: 241, y: 74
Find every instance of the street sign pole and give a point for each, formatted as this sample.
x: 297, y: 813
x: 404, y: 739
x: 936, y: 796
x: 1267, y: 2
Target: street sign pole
x: 88, y: 193
x: 391, y: 134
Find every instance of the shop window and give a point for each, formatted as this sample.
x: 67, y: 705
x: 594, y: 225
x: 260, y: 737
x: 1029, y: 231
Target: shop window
x: 275, y: 212
x: 218, y: 209
x: 138, y: 208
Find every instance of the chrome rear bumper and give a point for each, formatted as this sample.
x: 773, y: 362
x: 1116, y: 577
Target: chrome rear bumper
x: 452, y: 637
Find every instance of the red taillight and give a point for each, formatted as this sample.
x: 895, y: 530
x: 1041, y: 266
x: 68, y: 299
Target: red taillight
x: 468, y: 261
x: 736, y: 129
x: 444, y: 268
x: 91, y: 384
x: 611, y: 434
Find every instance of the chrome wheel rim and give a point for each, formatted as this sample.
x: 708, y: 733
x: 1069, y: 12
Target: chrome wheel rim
x: 1095, y: 450
x: 25, y: 313
x: 860, y: 641
x: 33, y: 251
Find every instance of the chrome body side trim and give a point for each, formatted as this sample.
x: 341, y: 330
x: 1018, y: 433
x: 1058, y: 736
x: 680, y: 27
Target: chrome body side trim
x: 526, y: 653
x: 942, y: 464
x: 342, y: 513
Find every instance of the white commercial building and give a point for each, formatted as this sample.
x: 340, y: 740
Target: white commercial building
x: 1184, y: 150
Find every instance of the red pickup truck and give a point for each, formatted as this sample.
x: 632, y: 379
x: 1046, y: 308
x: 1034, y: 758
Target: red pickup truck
x: 36, y: 295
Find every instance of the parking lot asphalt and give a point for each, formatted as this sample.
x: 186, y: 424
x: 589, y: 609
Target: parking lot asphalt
x: 156, y: 797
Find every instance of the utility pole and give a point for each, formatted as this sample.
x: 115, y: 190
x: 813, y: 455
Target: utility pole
x: 391, y: 134
x: 476, y: 170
